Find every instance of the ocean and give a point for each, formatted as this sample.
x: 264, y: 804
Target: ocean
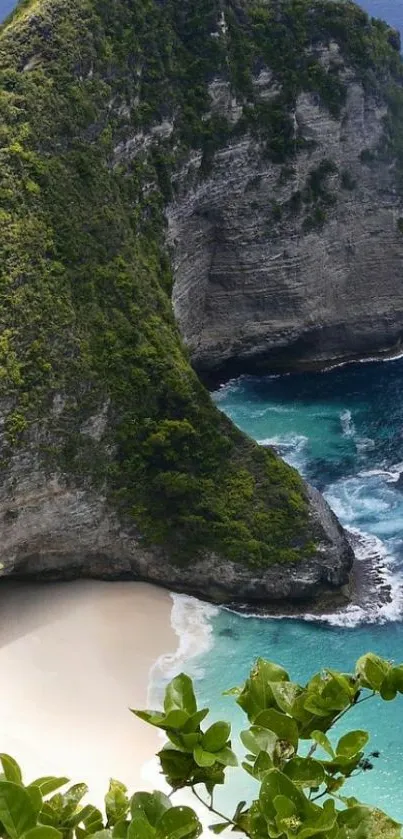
x: 343, y: 429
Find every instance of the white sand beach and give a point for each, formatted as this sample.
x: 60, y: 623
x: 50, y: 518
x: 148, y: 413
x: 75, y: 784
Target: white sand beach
x: 73, y: 658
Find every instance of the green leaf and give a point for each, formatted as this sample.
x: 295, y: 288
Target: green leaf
x: 48, y: 815
x: 179, y: 695
x: 285, y: 694
x: 305, y: 771
x: 185, y: 742
x: 346, y: 682
x: 176, y: 766
x: 120, y: 829
x: 48, y: 784
x: 203, y: 758
x: 116, y: 802
x: 341, y: 763
x: 276, y: 783
x: 320, y: 738
x: 140, y: 828
x: 261, y: 765
x: 151, y: 804
x: 11, y: 769
x: 285, y: 810
x: 226, y: 757
x: 193, y: 723
x: 36, y: 798
x: 355, y: 821
x: 17, y: 813
x: 102, y: 834
x: 257, y: 694
x: 215, y: 738
x: 352, y: 743
x: 152, y: 717
x: 71, y: 799
x: 258, y: 739
x: 239, y: 808
x: 285, y: 727
x: 398, y: 677
x: 372, y: 669
x: 81, y: 816
x: 388, y: 690
x: 218, y: 828
x: 93, y: 821
x: 175, y: 719
x: 321, y: 822
x: 392, y: 683
x: 43, y: 832
x: 179, y: 823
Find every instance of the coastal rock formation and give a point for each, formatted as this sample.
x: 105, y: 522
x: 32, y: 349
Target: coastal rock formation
x: 137, y: 137
x: 281, y: 265
x: 53, y: 531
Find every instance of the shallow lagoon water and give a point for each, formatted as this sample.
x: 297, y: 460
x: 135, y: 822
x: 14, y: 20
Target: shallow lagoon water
x: 344, y: 430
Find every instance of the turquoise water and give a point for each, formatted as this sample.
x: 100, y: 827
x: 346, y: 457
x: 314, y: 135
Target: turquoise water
x: 344, y: 430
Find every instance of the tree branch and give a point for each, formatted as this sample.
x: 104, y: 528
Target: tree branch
x: 213, y: 809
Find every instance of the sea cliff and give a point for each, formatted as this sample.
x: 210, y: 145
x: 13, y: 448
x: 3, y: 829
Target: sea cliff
x: 140, y: 142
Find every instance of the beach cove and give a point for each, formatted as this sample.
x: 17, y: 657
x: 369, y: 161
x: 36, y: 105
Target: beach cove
x: 74, y: 658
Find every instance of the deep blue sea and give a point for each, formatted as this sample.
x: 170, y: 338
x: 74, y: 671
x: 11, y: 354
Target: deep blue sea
x: 344, y: 430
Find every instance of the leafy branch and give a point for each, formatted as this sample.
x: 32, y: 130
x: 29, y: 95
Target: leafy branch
x: 298, y: 792
x: 299, y: 795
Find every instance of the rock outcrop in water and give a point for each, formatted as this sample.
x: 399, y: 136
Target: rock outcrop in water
x: 241, y: 127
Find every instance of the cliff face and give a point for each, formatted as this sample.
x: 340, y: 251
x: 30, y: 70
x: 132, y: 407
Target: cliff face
x: 260, y: 281
x: 284, y: 260
x: 114, y: 118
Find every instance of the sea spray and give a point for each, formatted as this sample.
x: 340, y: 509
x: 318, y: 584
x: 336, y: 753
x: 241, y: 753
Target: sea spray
x: 347, y: 424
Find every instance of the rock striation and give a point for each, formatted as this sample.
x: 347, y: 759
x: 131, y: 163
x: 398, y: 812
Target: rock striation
x: 268, y: 274
x: 55, y: 531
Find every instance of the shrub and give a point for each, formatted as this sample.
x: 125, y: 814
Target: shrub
x: 299, y: 770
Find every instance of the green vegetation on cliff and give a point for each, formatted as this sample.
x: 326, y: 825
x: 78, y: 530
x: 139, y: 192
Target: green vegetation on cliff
x: 100, y: 103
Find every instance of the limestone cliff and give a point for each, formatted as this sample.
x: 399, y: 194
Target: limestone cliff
x: 292, y: 258
x: 134, y: 133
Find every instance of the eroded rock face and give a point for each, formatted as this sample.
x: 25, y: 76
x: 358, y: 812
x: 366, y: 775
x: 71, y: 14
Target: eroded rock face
x: 106, y: 452
x: 51, y: 529
x: 267, y: 274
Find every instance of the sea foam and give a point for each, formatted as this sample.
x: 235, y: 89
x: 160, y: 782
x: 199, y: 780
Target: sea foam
x: 190, y: 620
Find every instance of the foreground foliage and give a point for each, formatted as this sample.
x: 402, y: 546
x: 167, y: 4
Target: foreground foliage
x: 299, y: 772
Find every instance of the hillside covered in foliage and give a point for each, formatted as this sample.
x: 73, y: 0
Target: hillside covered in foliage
x: 101, y: 104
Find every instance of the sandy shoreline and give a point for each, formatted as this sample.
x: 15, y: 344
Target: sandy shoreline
x: 74, y: 657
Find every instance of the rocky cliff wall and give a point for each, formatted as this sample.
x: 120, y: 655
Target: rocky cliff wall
x: 217, y: 128
x: 280, y: 265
